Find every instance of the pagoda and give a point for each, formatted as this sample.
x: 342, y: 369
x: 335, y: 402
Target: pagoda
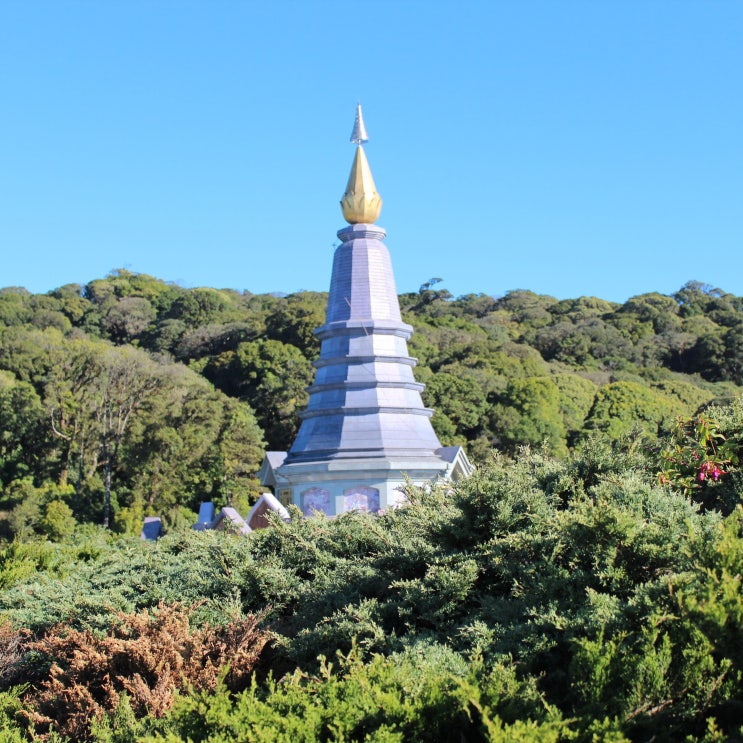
x: 365, y: 432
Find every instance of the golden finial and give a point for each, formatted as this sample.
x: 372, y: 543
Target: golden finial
x: 361, y: 204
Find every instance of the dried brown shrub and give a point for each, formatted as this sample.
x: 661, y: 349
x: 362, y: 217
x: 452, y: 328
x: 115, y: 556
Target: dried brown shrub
x: 12, y: 650
x: 148, y: 656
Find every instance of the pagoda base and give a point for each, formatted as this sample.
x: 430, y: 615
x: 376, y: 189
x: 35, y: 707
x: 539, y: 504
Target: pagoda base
x: 334, y: 486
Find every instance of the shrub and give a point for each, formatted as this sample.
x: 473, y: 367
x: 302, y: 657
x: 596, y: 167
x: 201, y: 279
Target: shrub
x: 703, y: 462
x: 145, y: 656
x: 424, y: 694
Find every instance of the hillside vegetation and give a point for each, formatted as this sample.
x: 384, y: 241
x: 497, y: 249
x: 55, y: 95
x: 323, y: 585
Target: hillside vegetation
x: 542, y: 599
x: 161, y: 397
x: 583, y: 585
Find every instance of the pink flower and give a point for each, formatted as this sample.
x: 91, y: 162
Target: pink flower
x: 709, y: 469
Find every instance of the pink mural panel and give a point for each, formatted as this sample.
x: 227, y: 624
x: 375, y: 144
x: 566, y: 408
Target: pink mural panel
x: 361, y: 498
x: 314, y: 500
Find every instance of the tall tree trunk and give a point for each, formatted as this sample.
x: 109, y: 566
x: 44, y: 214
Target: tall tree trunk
x: 107, y: 488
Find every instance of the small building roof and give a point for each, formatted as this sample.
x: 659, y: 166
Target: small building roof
x: 228, y: 517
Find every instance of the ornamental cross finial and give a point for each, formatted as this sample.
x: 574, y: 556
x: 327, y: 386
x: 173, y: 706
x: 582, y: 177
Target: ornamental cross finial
x: 359, y: 135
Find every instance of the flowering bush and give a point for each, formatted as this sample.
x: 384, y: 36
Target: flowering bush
x: 698, y: 454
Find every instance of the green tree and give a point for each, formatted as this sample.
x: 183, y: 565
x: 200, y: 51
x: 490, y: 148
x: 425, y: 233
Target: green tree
x: 295, y: 318
x: 71, y: 302
x: 126, y: 379
x: 620, y: 407
x: 38, y: 510
x: 191, y: 444
x: 206, y: 340
x: 271, y: 377
x: 734, y: 353
x: 582, y: 343
x: 15, y: 306
x: 694, y: 298
x: 57, y: 521
x: 530, y: 414
x: 165, y: 336
x: 531, y: 311
x: 575, y: 402
x: 708, y: 356
x: 22, y: 429
x: 461, y: 401
x: 92, y: 397
x: 128, y: 319
x: 648, y: 313
x: 204, y: 306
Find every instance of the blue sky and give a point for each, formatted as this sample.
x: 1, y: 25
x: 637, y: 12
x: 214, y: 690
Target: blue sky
x: 567, y: 147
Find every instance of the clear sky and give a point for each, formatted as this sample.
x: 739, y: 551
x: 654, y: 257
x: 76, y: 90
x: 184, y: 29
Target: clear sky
x: 589, y: 147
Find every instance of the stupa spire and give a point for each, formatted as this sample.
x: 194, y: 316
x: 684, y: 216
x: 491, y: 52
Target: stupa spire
x: 359, y: 135
x: 361, y: 204
x: 365, y: 432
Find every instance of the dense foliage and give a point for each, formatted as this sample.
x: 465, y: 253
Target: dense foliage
x: 130, y: 396
x: 544, y: 598
x: 586, y: 587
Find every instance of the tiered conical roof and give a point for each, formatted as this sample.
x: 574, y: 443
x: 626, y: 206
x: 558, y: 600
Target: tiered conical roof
x: 365, y: 401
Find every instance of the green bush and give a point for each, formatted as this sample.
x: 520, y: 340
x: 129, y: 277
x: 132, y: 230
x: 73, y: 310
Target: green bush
x: 428, y: 694
x: 565, y: 599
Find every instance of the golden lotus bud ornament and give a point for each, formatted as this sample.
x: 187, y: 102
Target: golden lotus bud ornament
x: 361, y: 204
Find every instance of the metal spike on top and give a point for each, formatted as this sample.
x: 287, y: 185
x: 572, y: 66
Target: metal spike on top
x: 359, y: 135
